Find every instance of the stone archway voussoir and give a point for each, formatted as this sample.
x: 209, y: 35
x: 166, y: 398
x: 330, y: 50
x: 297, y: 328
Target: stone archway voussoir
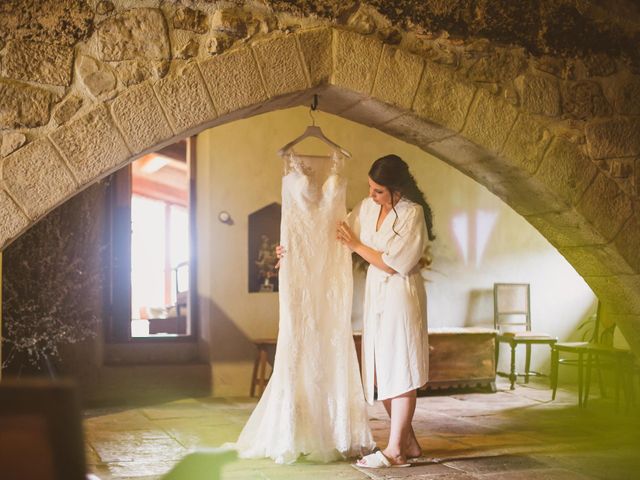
x: 489, y: 121
x: 185, y: 99
x: 316, y: 45
x: 37, y: 178
x: 605, y: 206
x: 596, y: 260
x: 280, y: 64
x: 566, y: 170
x: 356, y: 60
x: 233, y: 80
x: 526, y: 144
x: 91, y: 145
x: 140, y: 118
x: 562, y: 175
x: 619, y: 292
x: 628, y: 241
x: 566, y: 229
x: 397, y: 78
x: 443, y: 98
x: 12, y: 219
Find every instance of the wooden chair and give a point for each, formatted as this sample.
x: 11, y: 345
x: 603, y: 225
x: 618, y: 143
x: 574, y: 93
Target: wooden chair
x: 512, y: 322
x: 597, y: 351
x: 579, y: 352
x: 618, y: 360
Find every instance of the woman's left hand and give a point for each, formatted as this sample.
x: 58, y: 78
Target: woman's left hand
x: 347, y: 237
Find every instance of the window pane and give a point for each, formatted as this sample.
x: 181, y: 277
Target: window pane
x: 147, y: 255
x: 179, y: 249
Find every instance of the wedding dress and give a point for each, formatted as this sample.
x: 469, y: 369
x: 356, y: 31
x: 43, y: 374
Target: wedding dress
x: 313, y: 405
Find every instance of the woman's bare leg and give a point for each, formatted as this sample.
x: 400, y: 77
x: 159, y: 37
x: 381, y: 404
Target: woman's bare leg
x: 402, y: 409
x: 412, y: 448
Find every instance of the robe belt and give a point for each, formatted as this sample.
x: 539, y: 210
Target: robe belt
x: 382, y: 279
x: 380, y: 294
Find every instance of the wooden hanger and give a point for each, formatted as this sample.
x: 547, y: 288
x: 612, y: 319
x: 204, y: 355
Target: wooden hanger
x: 313, y: 131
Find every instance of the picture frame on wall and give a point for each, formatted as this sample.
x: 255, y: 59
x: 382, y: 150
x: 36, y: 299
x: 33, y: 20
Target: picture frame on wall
x: 264, y: 236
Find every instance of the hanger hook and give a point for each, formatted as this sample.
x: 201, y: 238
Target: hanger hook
x: 314, y: 106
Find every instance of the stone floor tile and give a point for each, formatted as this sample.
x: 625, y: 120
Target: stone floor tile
x: 448, y: 426
x: 175, y: 411
x: 498, y: 439
x: 500, y: 463
x: 414, y: 473
x: 609, y: 465
x: 435, y: 443
x: 544, y: 474
x: 122, y: 420
x: 419, y: 469
x: 137, y: 469
x: 145, y: 451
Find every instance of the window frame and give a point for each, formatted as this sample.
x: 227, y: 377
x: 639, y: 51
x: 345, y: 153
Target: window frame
x: 118, y: 271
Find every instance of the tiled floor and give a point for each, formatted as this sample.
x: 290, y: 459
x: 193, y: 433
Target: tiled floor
x: 508, y: 435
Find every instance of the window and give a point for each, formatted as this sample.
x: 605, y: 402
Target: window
x: 151, y: 209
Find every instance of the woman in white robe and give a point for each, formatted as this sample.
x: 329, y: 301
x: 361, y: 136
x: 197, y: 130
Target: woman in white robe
x: 390, y: 230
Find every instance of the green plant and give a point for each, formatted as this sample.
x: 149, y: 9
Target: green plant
x: 592, y: 331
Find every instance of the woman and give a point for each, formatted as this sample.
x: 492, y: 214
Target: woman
x: 389, y: 230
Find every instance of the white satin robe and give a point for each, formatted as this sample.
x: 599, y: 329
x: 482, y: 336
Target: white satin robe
x: 394, y: 330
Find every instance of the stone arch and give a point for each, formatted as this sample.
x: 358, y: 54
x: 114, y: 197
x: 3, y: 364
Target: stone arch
x: 548, y: 170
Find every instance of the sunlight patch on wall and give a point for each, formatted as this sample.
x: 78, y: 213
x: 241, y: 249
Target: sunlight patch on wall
x: 472, y: 234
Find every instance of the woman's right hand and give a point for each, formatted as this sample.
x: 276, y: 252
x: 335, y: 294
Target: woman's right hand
x: 280, y: 252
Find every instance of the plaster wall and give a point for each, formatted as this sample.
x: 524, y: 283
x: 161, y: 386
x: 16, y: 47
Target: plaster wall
x: 480, y: 240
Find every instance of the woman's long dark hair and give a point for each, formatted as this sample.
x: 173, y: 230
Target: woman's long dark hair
x: 392, y: 172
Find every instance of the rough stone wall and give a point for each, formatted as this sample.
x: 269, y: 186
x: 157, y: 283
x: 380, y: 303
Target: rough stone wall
x: 54, y: 277
x: 539, y: 101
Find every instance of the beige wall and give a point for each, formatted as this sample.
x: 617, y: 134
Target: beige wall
x: 239, y: 171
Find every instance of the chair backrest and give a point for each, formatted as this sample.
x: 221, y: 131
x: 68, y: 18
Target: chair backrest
x: 511, y: 305
x: 597, y: 334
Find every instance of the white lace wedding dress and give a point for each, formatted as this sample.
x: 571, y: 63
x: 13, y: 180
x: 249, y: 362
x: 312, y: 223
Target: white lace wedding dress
x: 313, y: 404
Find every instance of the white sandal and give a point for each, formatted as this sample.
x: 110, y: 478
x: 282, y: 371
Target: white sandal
x: 378, y: 460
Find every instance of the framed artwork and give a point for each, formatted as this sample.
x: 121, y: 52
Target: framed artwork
x: 264, y: 236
